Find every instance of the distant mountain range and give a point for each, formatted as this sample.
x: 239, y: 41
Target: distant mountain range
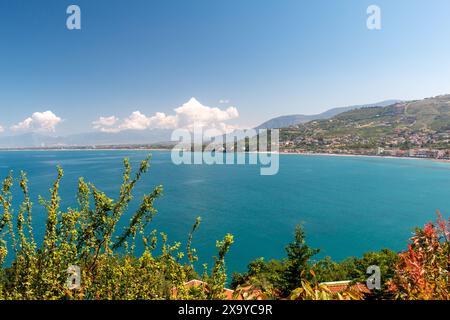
x: 292, y: 120
x: 369, y: 120
x: 37, y: 140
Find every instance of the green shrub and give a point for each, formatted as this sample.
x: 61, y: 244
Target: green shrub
x: 87, y: 237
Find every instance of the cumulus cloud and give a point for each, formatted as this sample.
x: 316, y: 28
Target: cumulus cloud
x: 1, y: 129
x: 105, y: 124
x: 39, y: 121
x: 190, y: 114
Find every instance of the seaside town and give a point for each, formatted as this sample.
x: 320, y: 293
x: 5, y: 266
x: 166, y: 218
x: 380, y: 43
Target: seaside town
x: 382, y: 152
x: 429, y: 145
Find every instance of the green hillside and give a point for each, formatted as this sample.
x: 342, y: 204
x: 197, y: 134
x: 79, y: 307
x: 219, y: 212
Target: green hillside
x: 422, y: 123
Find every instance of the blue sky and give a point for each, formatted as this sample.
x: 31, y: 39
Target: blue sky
x: 267, y: 58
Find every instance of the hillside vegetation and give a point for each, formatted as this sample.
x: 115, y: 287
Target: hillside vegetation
x: 413, y: 124
x: 292, y: 120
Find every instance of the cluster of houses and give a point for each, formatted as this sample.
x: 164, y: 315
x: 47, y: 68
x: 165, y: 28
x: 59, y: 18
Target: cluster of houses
x: 416, y: 153
x: 423, y: 153
x: 419, y: 139
x: 403, y: 143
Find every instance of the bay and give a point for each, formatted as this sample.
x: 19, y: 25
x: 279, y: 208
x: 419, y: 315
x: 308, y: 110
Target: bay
x: 348, y: 205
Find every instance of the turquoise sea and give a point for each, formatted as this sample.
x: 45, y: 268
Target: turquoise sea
x: 348, y: 205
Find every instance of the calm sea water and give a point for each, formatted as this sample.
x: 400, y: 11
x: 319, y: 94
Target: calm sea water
x: 348, y: 205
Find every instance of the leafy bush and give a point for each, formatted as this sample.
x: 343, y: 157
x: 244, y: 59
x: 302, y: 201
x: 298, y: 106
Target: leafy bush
x: 356, y: 268
x: 423, y: 270
x: 316, y: 291
x: 87, y: 238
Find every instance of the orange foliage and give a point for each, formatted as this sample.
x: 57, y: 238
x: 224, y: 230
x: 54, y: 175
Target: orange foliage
x: 423, y: 270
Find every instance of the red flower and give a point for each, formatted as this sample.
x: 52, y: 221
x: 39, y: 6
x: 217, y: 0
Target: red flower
x: 429, y: 230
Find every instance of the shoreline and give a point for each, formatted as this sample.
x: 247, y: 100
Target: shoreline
x: 85, y: 149
x: 361, y: 156
x: 307, y: 154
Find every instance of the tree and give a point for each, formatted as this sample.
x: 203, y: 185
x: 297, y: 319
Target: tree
x: 298, y: 256
x: 277, y: 278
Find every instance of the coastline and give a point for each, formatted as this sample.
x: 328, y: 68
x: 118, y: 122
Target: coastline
x: 307, y: 154
x: 361, y: 156
x: 84, y: 149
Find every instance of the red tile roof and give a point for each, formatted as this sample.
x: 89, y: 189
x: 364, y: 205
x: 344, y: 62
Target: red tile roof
x: 341, y: 286
x: 245, y: 293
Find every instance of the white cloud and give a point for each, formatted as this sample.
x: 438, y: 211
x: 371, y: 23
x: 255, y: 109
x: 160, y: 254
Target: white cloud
x: 190, y: 114
x: 1, y: 129
x: 136, y: 121
x: 39, y: 121
x: 105, y: 124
